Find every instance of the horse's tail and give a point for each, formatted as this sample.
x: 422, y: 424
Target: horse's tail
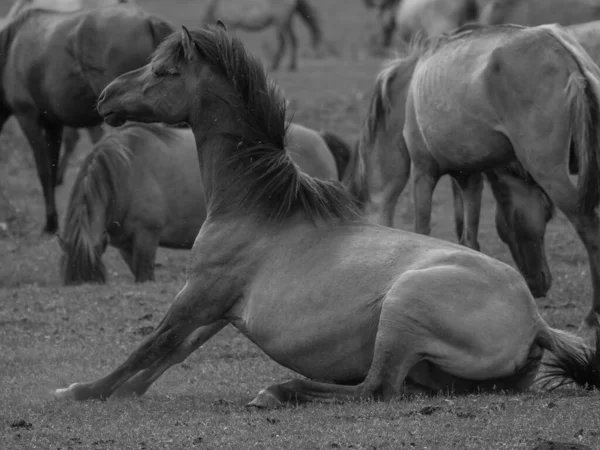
x: 340, y: 150
x: 583, y: 92
x: 159, y: 29
x: 311, y: 18
x: 98, y: 183
x: 573, y: 362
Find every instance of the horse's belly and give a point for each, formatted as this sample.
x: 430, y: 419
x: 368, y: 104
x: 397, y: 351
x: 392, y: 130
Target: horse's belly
x: 323, y: 341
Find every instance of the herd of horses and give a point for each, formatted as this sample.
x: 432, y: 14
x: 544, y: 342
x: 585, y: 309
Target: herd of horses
x: 284, y: 223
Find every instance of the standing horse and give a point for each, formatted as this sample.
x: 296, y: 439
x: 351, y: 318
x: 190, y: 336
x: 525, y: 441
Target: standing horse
x: 380, y: 169
x: 55, y: 64
x: 504, y: 116
x: 360, y: 310
x: 255, y: 15
x: 539, y: 12
x: 140, y: 188
x: 70, y: 135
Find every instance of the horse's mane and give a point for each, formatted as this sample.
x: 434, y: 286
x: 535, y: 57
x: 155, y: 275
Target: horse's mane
x: 273, y: 182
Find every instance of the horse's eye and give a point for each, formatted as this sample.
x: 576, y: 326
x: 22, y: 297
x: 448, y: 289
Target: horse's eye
x: 155, y: 74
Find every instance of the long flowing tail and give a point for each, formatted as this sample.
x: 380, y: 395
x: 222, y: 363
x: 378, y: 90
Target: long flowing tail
x: 583, y: 91
x: 573, y: 362
x: 98, y: 183
x: 311, y: 18
x: 340, y: 150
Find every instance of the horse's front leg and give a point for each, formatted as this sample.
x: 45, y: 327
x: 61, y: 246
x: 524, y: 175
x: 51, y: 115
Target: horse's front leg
x: 45, y: 140
x: 141, y: 382
x: 70, y: 139
x: 471, y: 186
x: 424, y: 186
x: 190, y: 310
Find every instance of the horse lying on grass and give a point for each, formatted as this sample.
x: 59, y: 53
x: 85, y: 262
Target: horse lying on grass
x: 140, y: 188
x: 360, y: 310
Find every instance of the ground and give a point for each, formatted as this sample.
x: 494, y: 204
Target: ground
x: 51, y: 336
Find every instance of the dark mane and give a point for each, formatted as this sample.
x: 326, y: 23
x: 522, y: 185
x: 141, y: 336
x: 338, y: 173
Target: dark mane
x: 273, y: 183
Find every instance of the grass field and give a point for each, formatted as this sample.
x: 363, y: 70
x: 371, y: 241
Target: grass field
x: 51, y: 336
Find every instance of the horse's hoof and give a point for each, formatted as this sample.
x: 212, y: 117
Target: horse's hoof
x: 67, y: 393
x: 264, y: 399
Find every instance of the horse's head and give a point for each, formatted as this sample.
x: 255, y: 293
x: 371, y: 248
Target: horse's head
x: 168, y: 89
x: 523, y: 211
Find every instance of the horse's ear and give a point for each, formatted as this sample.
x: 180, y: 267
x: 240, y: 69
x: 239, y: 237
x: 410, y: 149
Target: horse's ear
x: 222, y: 25
x: 190, y: 49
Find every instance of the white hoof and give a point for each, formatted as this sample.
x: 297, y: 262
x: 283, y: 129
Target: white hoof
x: 64, y: 393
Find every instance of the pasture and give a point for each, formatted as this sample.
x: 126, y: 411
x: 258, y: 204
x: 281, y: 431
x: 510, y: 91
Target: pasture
x: 51, y: 335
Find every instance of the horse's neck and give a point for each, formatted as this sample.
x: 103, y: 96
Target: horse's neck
x: 216, y: 149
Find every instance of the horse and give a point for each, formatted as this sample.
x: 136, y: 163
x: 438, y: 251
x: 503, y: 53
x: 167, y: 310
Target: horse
x: 380, y: 169
x: 256, y: 15
x: 55, y: 64
x: 386, y: 17
x: 140, y: 188
x: 539, y: 12
x: 506, y: 126
x: 360, y: 310
x: 70, y: 135
x: 433, y: 17
x: 424, y: 17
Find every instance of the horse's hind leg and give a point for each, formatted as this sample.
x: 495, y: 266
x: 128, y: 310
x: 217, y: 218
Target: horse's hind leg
x: 471, y: 186
x: 141, y: 382
x: 459, y: 209
x: 280, y: 49
x: 293, y: 40
x: 45, y: 141
x: 145, y: 243
x: 395, y: 353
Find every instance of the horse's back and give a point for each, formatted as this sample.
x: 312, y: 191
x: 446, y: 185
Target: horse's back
x: 310, y: 151
x: 540, y: 12
x: 588, y: 35
x: 456, y: 74
x: 61, y: 61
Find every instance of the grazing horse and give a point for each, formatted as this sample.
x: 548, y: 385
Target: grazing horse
x: 256, y: 15
x: 386, y: 17
x: 539, y: 12
x: 433, y: 17
x: 70, y: 135
x: 424, y: 17
x: 503, y: 116
x: 360, y: 310
x: 55, y: 64
x: 380, y: 169
x: 140, y: 188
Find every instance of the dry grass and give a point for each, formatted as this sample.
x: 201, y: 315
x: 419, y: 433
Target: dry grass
x: 51, y: 336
